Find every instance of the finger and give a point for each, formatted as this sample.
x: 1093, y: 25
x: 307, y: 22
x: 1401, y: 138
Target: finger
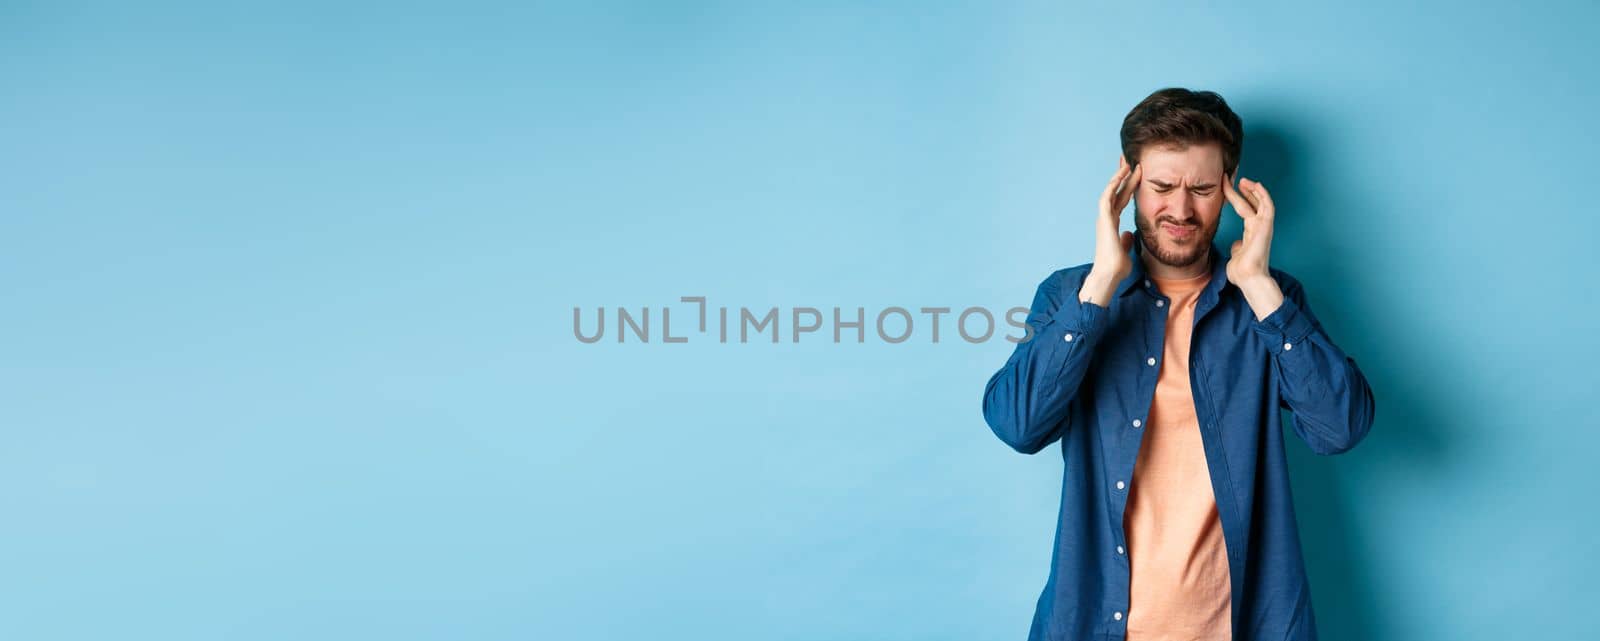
x: 1247, y: 191
x: 1109, y: 195
x: 1240, y: 205
x: 1263, y: 199
x: 1129, y: 187
x: 1247, y: 188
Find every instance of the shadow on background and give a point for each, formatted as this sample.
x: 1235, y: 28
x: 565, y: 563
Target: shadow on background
x: 1311, y: 241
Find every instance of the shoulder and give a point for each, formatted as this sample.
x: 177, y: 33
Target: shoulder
x: 1066, y: 278
x: 1053, y: 291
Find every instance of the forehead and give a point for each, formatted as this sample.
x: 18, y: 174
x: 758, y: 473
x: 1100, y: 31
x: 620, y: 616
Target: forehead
x: 1194, y: 162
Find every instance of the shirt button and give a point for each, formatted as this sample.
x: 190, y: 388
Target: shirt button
x: 1150, y: 361
x: 1146, y: 282
x: 1067, y: 338
x: 1288, y: 346
x: 1160, y: 303
x: 1120, y: 485
x: 1120, y: 550
x: 1137, y: 422
x: 1116, y: 615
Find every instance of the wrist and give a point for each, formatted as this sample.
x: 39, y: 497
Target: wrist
x: 1262, y: 294
x: 1097, y: 289
x: 1257, y: 283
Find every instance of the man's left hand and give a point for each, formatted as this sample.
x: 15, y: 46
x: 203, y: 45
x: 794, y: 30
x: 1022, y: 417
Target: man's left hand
x: 1247, y: 267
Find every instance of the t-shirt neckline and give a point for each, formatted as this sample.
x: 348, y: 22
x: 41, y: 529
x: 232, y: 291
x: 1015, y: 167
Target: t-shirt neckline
x: 1183, y: 285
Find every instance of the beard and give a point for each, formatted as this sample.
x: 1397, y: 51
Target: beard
x: 1167, y: 251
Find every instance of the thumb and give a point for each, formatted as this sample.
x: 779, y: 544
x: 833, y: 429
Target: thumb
x: 1127, y: 241
x: 1235, y: 248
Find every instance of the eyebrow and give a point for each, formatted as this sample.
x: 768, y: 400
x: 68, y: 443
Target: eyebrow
x: 1167, y: 185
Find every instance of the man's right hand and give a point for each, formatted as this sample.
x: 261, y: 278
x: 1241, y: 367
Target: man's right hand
x: 1111, y: 261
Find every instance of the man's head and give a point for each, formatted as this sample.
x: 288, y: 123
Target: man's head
x: 1188, y: 143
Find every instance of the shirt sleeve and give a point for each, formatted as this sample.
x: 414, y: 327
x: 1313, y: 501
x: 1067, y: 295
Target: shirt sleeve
x: 1025, y: 403
x: 1322, y: 386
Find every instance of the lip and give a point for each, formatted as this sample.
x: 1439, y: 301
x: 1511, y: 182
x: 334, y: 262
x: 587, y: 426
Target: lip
x: 1178, y: 231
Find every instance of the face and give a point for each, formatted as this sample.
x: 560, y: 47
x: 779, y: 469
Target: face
x: 1179, y: 202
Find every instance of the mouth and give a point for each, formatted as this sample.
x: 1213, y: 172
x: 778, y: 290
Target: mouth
x: 1180, y: 232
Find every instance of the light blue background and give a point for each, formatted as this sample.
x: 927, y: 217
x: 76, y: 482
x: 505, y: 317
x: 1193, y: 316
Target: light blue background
x: 288, y: 296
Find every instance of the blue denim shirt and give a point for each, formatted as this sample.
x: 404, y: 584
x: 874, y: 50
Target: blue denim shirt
x: 1089, y: 372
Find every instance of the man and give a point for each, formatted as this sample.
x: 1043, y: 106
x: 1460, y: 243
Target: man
x: 1162, y: 372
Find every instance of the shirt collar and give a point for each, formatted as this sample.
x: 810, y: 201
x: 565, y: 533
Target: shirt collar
x: 1137, y: 277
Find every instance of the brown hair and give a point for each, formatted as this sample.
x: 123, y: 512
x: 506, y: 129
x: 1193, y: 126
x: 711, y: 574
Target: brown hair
x: 1176, y: 116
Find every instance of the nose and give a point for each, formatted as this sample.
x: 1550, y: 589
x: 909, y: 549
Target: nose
x: 1182, y: 205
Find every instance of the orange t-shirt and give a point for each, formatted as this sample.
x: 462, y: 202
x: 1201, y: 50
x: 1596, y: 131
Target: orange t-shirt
x: 1179, y: 589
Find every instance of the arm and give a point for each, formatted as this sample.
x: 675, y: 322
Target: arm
x: 1331, y: 400
x: 1025, y: 403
